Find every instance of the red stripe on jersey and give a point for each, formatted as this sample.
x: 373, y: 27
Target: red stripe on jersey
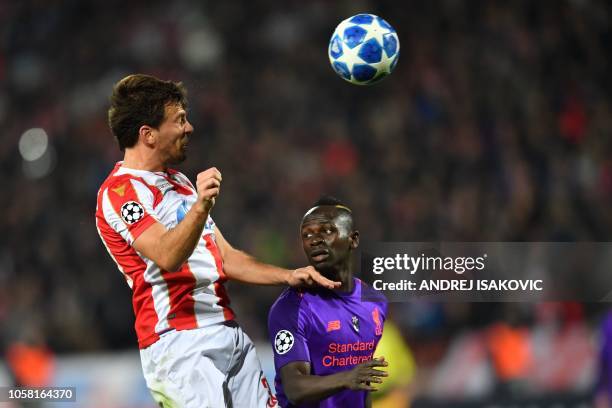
x: 157, y: 195
x: 144, y: 310
x: 120, y: 191
x: 179, y: 188
x: 220, y: 291
x: 224, y: 301
x: 133, y: 267
x: 180, y: 290
x: 214, y: 250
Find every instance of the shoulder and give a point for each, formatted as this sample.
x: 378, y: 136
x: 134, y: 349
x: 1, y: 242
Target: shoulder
x: 291, y: 304
x: 289, y: 298
x: 125, y: 187
x: 119, y: 181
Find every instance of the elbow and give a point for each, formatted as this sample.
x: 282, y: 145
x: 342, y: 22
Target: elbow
x: 173, y: 267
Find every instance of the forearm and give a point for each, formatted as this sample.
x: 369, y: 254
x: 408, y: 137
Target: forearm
x: 176, y: 245
x: 311, y: 388
x: 242, y: 267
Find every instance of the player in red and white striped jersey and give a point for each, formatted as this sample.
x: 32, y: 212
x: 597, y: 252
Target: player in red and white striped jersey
x: 156, y: 226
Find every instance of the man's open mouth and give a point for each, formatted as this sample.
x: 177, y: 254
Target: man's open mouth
x: 319, y: 255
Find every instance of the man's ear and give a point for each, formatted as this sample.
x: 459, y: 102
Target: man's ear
x: 147, y: 135
x: 354, y: 239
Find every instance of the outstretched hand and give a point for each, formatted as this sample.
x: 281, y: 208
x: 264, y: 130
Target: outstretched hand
x: 310, y: 277
x: 363, y: 375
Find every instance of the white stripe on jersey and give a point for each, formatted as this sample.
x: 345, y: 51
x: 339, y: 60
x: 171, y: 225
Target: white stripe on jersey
x: 204, y: 293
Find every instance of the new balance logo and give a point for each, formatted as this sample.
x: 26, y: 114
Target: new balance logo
x: 333, y: 325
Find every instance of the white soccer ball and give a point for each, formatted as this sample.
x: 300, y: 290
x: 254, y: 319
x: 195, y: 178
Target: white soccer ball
x: 363, y: 49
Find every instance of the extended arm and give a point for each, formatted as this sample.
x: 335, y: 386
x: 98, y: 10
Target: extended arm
x: 242, y: 267
x: 301, y: 387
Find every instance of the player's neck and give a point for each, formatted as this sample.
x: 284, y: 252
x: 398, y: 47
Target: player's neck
x: 345, y: 276
x: 138, y: 159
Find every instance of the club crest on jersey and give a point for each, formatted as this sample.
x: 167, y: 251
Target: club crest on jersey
x: 377, y: 321
x: 120, y: 191
x: 355, y: 323
x: 283, y: 341
x: 131, y: 212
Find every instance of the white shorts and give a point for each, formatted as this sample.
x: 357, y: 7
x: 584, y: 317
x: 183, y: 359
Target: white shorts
x: 214, y: 366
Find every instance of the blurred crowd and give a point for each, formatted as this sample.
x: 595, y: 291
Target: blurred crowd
x: 495, y: 126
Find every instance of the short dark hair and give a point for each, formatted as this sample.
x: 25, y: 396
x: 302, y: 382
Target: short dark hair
x: 328, y: 200
x: 139, y: 100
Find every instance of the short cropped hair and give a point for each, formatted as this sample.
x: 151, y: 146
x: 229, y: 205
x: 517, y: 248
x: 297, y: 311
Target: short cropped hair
x: 329, y: 200
x: 139, y: 100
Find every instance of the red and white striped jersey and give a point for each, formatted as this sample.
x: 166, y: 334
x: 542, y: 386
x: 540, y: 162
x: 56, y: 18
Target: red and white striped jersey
x: 130, y: 201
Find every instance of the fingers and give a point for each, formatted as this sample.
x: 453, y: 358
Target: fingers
x: 208, y: 184
x: 376, y: 362
x: 366, y: 380
x: 309, y: 277
x: 323, y: 281
x: 370, y: 374
x: 213, y: 172
x: 211, y: 193
x: 367, y: 384
x: 377, y: 373
x: 320, y: 279
x: 209, y: 178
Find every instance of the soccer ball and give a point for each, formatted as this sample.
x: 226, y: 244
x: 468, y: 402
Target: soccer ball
x: 363, y: 49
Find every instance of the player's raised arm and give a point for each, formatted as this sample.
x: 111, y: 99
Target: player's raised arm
x: 242, y: 267
x: 170, y: 248
x: 302, y: 387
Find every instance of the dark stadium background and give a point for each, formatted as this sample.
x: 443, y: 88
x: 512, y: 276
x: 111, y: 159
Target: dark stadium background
x: 495, y: 126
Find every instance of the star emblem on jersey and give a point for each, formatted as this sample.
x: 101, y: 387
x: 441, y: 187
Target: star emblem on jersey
x: 355, y: 323
x: 283, y: 341
x: 131, y: 212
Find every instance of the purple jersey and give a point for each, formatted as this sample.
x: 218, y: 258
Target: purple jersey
x: 333, y: 331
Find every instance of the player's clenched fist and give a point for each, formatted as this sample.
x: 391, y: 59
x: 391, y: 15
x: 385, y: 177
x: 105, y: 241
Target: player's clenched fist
x: 363, y: 375
x: 208, y: 184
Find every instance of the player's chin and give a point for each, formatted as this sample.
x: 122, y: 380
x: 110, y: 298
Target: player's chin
x: 179, y: 158
x: 325, y: 268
